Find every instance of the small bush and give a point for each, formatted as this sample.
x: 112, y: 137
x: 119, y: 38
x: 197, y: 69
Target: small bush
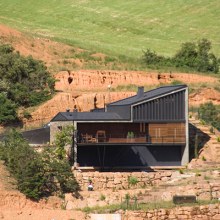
x: 211, y: 130
x: 102, y: 197
x: 181, y: 171
x: 198, y: 174
x: 207, y: 177
x: 132, y: 180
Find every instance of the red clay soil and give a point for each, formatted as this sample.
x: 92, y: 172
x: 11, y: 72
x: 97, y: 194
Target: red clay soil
x: 52, y: 53
x: 14, y: 205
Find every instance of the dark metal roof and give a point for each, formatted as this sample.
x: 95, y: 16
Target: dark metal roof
x: 86, y: 116
x: 113, y: 116
x: 148, y: 95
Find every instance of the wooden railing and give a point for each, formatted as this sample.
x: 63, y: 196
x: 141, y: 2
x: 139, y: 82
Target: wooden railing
x: 137, y: 139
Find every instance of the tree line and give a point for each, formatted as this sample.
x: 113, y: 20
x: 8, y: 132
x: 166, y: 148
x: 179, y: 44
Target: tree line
x: 192, y: 56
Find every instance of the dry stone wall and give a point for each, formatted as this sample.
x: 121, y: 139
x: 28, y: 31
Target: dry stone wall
x: 120, y: 180
x: 204, y: 212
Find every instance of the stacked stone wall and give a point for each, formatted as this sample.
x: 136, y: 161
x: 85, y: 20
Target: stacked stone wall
x: 120, y: 180
x: 204, y: 212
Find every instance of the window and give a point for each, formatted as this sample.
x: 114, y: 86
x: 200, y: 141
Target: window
x: 60, y: 128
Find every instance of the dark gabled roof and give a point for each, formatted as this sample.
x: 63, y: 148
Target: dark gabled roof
x: 86, y: 116
x: 148, y: 95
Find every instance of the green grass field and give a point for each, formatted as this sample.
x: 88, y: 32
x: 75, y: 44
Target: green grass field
x: 117, y: 27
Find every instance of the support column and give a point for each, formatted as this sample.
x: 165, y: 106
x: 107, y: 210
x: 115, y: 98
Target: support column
x: 75, y: 144
x: 185, y: 151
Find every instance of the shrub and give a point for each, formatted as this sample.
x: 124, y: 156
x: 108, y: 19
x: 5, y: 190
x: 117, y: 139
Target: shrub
x: 191, y: 56
x: 102, y: 197
x: 58, y: 173
x: 132, y: 180
x: 37, y: 175
x: 181, y: 171
x: 62, y: 139
x: 18, y: 76
x: 212, y: 130
x: 25, y: 165
x: 7, y: 110
x: 209, y: 114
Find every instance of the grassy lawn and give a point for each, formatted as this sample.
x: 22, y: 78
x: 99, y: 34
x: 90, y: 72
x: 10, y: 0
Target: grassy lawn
x: 117, y: 28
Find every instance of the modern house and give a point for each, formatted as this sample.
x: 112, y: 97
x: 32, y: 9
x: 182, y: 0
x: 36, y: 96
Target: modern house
x: 147, y: 130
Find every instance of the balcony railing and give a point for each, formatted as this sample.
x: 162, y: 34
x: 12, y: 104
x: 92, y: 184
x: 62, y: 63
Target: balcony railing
x: 136, y: 139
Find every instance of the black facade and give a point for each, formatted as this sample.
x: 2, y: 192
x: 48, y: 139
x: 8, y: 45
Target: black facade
x: 129, y: 156
x: 124, y: 111
x: 166, y: 108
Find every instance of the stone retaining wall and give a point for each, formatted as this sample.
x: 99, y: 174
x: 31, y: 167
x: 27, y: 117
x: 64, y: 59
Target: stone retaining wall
x: 204, y: 212
x: 203, y: 191
x: 118, y: 180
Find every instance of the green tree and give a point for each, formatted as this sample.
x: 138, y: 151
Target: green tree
x: 58, y: 173
x: 62, y: 139
x: 37, y: 174
x: 23, y: 80
x: 186, y: 56
x: 191, y: 56
x: 25, y: 165
x: 210, y: 114
x: 7, y: 110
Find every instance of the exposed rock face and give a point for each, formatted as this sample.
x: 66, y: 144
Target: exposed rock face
x: 99, y: 80
x: 201, y: 97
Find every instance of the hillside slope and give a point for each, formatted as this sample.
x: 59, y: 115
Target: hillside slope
x: 88, y: 88
x: 117, y: 27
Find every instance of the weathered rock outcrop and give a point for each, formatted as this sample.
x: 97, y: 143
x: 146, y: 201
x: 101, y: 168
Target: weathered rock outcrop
x: 100, y: 79
x: 204, y: 95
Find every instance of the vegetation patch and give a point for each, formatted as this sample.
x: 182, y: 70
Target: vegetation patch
x: 37, y: 175
x: 24, y: 82
x: 210, y: 114
x: 144, y: 206
x: 191, y: 56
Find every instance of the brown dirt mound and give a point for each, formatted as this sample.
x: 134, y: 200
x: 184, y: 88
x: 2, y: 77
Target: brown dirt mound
x: 52, y: 53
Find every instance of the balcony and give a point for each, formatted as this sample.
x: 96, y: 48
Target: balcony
x: 123, y: 139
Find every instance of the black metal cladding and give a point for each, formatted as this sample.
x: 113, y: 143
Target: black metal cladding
x: 123, y: 111
x: 167, y: 108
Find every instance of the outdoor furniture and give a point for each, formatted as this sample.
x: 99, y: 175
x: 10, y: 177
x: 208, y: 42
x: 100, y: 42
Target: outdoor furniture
x: 87, y: 138
x: 101, y: 136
